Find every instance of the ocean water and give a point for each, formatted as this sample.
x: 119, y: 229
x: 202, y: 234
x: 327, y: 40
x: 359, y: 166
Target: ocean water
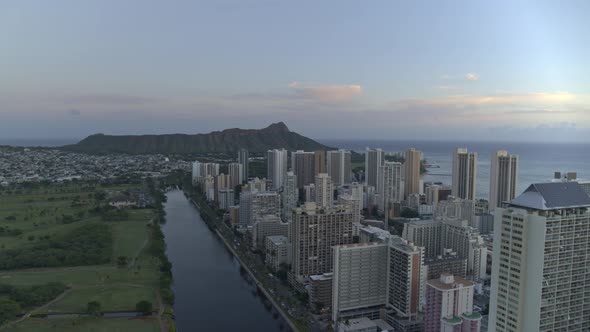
x: 538, y: 161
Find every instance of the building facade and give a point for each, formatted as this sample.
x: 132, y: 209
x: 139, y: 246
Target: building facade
x: 540, y: 261
x: 339, y: 167
x: 464, y: 174
x: 314, y: 232
x: 503, y: 178
x: 412, y: 172
x: 276, y: 167
x: 449, y: 305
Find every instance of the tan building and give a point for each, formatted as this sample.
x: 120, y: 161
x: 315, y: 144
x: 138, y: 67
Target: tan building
x: 449, y: 305
x: 314, y: 232
x: 320, y: 292
x: 319, y: 162
x: 412, y: 172
x: 324, y: 190
x: 406, y: 278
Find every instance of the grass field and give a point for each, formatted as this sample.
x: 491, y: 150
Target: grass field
x: 38, y: 215
x: 87, y: 325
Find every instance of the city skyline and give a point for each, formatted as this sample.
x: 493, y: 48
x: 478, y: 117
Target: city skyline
x: 505, y: 70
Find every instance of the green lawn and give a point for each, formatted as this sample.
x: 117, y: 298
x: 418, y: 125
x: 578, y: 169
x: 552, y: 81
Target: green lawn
x: 38, y: 213
x: 111, y: 298
x: 88, y: 325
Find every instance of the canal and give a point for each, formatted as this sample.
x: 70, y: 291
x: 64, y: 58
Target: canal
x: 212, y: 292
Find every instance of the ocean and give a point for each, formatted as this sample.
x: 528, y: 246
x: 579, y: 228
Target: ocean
x: 538, y: 161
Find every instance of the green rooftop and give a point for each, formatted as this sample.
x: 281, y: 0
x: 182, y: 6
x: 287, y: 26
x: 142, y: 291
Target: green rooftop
x: 453, y: 320
x: 472, y: 316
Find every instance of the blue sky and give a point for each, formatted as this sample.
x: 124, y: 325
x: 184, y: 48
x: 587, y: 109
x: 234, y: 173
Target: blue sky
x: 328, y: 69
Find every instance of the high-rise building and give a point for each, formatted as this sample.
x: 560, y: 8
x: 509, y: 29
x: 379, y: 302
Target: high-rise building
x: 449, y: 262
x: 390, y: 179
x: 309, y: 192
x: 263, y: 203
x: 276, y: 167
x: 267, y: 225
x: 455, y: 208
x: 245, y: 208
x: 276, y: 247
x: 320, y: 291
x: 226, y: 198
x: 503, y: 178
x: 449, y: 305
x: 324, y: 190
x: 303, y: 165
x: 339, y: 167
x: 432, y: 194
x: 244, y: 161
x: 359, y: 280
x: 425, y: 233
x: 467, y: 243
x: 221, y: 181
x: 201, y: 170
x: 196, y: 172
x: 406, y: 278
x: 453, y: 234
x: 314, y: 232
x: 540, y: 261
x: 354, y: 204
x: 289, y: 196
x: 412, y: 172
x: 319, y: 162
x: 374, y: 159
x: 464, y: 173
x: 235, y: 173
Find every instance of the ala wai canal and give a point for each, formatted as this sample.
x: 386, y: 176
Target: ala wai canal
x: 212, y: 292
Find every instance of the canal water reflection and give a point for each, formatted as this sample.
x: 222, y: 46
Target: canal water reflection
x: 212, y: 292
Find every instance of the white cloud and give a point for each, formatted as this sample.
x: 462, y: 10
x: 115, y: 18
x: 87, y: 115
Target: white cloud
x: 471, y: 76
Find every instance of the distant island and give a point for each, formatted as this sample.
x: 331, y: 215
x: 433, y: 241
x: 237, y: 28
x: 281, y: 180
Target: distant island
x: 275, y: 136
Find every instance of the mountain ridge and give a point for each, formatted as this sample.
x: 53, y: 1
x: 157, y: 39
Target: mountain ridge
x: 276, y: 135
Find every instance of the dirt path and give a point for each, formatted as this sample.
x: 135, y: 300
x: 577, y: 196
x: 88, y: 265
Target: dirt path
x: 42, y: 307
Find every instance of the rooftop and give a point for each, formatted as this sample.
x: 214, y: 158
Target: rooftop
x: 552, y: 195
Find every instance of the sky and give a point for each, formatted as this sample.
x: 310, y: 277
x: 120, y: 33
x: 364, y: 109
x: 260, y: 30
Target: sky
x: 442, y: 70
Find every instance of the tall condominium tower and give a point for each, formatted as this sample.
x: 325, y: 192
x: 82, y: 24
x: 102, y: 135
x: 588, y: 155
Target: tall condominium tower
x: 412, y: 172
x: 464, y: 173
x: 289, y: 196
x: 303, y: 165
x: 540, y: 262
x: 406, y: 278
x: 324, y: 190
x: 503, y: 178
x: 236, y: 173
x: 449, y: 305
x: 359, y: 280
x: 390, y: 177
x: 319, y: 162
x: 313, y: 233
x: 276, y: 167
x: 373, y: 161
x: 264, y: 203
x: 339, y: 167
x: 243, y: 160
